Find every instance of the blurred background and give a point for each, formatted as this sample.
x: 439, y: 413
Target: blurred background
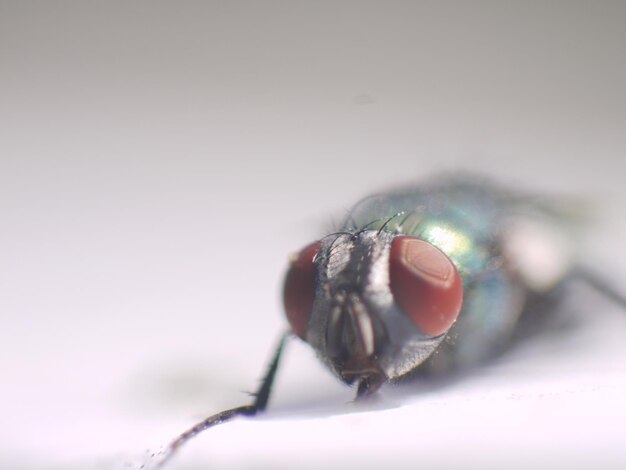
x: 160, y: 160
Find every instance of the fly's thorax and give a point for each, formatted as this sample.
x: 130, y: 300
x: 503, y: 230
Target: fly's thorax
x: 381, y: 304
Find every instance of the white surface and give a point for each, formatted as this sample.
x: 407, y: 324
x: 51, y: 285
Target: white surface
x: 158, y: 162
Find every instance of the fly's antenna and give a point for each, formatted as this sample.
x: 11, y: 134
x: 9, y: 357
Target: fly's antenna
x: 261, y: 398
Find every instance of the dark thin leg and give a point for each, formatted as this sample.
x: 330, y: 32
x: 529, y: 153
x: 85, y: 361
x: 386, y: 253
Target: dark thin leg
x: 600, y: 285
x: 260, y: 403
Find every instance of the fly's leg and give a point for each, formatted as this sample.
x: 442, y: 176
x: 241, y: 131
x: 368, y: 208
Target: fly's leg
x: 600, y: 285
x: 261, y: 397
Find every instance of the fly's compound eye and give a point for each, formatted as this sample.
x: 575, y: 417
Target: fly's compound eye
x: 299, y: 289
x: 425, y: 284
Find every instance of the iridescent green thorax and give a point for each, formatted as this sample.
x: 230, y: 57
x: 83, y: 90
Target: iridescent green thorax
x: 465, y: 221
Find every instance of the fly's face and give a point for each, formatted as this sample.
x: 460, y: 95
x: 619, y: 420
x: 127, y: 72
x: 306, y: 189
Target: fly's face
x: 374, y: 305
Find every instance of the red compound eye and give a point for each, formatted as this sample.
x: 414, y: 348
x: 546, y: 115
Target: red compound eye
x: 425, y: 283
x: 299, y: 289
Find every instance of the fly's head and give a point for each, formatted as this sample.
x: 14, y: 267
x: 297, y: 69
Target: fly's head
x: 374, y: 305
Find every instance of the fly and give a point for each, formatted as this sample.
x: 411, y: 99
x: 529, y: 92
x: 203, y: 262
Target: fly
x: 430, y: 278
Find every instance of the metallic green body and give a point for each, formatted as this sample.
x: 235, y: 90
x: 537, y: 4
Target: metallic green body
x: 464, y: 219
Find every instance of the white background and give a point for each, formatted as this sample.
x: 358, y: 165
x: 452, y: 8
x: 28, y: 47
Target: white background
x: 160, y: 160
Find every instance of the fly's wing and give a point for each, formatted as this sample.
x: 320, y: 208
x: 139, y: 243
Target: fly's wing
x: 541, y: 237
